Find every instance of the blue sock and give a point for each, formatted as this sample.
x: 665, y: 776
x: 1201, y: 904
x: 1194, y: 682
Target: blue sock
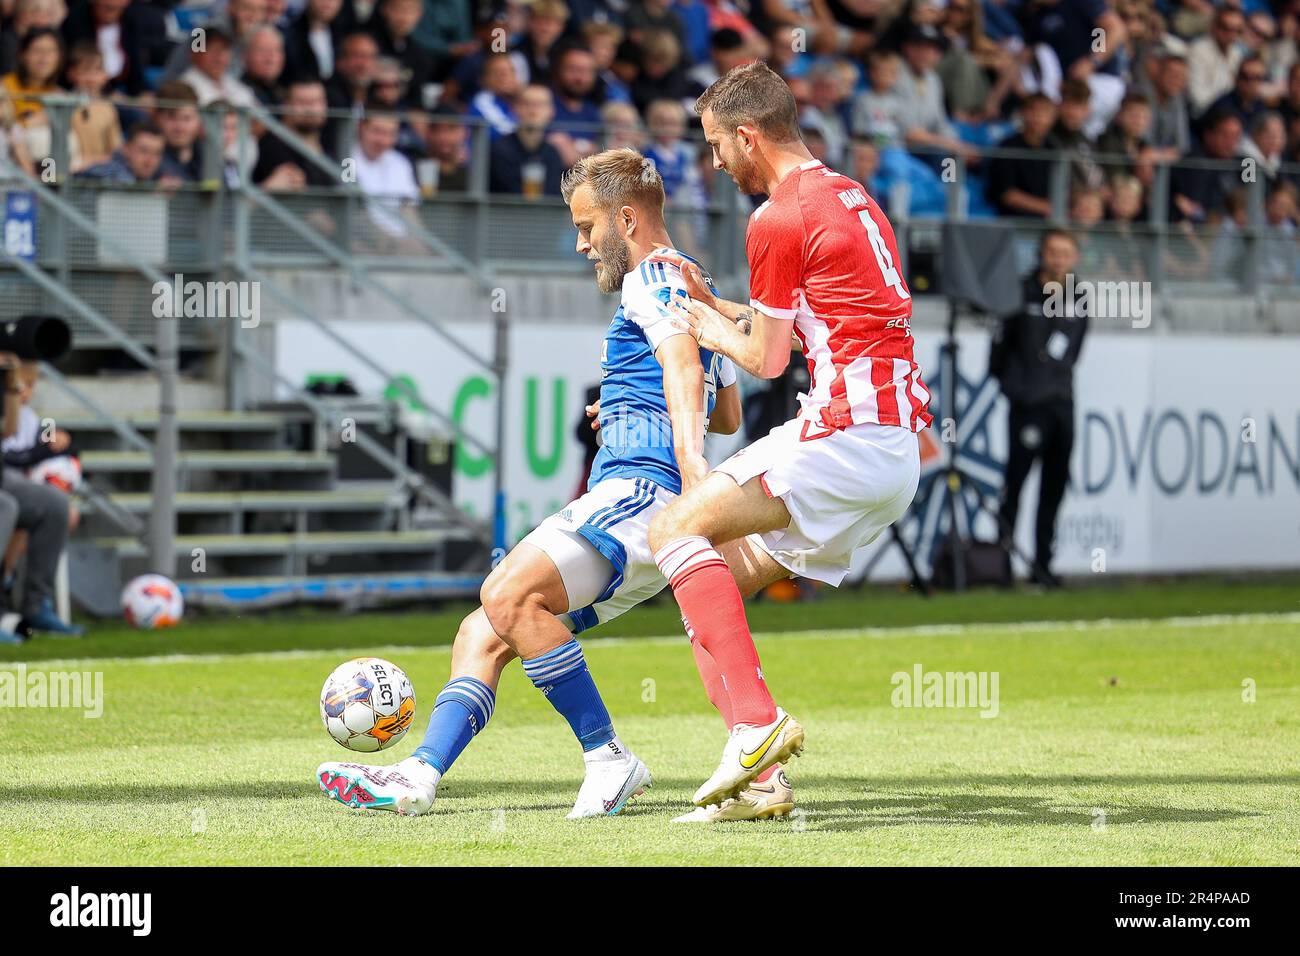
x: 562, y: 675
x: 461, y: 711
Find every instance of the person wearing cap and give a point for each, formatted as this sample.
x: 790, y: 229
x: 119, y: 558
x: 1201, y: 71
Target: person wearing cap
x: 921, y: 92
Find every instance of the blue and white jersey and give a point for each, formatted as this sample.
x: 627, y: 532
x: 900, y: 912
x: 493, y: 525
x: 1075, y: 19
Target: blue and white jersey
x: 634, y: 425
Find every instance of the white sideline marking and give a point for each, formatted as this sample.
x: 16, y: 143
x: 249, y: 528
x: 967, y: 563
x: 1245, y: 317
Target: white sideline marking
x: 846, y: 633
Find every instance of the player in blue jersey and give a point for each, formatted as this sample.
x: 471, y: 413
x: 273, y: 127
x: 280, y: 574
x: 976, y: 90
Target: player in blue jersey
x: 591, y: 561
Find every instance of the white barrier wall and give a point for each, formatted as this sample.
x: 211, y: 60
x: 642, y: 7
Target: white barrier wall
x: 1187, y: 452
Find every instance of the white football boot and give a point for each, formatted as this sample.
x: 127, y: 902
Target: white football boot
x: 772, y: 798
x: 615, y: 776
x: 407, y: 787
x: 750, y: 751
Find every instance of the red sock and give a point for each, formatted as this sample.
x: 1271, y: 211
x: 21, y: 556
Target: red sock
x: 714, y: 685
x: 714, y: 611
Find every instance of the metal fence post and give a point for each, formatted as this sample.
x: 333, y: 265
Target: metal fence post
x: 162, y: 524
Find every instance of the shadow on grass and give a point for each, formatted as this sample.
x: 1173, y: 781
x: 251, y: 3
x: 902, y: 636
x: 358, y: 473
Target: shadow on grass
x: 877, y: 801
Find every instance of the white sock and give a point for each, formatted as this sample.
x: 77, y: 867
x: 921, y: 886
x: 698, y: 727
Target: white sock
x: 420, y: 772
x: 614, y: 750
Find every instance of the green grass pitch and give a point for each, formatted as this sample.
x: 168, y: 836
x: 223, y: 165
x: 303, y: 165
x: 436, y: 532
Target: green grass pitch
x: 1115, y: 743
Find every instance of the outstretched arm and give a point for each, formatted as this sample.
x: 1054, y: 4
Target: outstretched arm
x: 757, y: 342
x: 684, y: 391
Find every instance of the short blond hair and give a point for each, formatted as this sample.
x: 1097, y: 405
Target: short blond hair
x: 618, y: 177
x: 753, y: 95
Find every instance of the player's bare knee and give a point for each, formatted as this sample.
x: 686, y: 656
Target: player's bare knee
x: 478, y: 649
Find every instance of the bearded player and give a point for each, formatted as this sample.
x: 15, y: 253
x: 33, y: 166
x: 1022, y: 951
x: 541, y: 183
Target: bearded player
x: 590, y: 562
x: 822, y: 260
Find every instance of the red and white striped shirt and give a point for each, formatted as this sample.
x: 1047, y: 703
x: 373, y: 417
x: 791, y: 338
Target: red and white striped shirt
x: 823, y: 254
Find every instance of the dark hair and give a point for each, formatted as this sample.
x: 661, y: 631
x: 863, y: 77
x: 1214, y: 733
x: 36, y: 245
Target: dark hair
x: 83, y: 52
x: 753, y: 95
x: 1037, y: 99
x: 1055, y: 234
x: 143, y: 128
x: 25, y: 44
x: 1076, y: 91
x: 176, y: 92
x: 726, y: 39
x: 1215, y: 118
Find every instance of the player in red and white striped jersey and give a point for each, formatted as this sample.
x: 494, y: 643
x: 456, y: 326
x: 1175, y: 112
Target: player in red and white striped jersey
x: 823, y: 266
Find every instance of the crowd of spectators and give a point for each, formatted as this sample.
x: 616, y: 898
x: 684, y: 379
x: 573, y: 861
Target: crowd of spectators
x: 891, y: 92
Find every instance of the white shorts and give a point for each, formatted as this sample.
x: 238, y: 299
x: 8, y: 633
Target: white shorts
x: 842, y: 488
x: 607, y: 529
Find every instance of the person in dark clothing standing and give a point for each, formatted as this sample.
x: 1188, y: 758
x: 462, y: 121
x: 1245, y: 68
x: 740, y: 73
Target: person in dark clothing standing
x: 1033, y: 356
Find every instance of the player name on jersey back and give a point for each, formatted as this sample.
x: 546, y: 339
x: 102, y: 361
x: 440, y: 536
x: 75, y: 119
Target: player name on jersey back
x: 823, y: 254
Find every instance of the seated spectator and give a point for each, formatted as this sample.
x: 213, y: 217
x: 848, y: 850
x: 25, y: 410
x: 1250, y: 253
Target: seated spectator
x: 387, y: 178
x: 314, y: 35
x: 524, y: 163
x: 238, y: 21
x: 1228, y: 253
x: 279, y: 165
x: 1124, y: 206
x: 446, y: 143
x: 822, y: 35
x: 138, y: 161
x: 264, y: 64
x: 676, y: 158
x: 622, y: 125
x: 1266, y: 143
x: 1087, y: 209
x: 1197, y: 193
x: 1129, y: 135
x: 727, y: 49
x: 388, y: 95
x: 603, y: 40
x: 27, y: 14
x: 40, y: 63
x: 178, y: 117
x: 96, y: 131
x: 446, y: 31
x: 498, y: 87
x: 1289, y: 106
x: 43, y: 513
x: 1279, y: 255
x: 921, y: 91
x: 27, y: 448
x: 662, y: 74
x: 348, y: 88
x: 1167, y: 91
x: 392, y: 26
x: 547, y: 21
x: 575, y: 129
x: 209, y: 73
x: 1069, y: 134
x: 1212, y: 60
x: 879, y: 111
x: 131, y: 37
x: 976, y: 72
x: 1067, y: 26
x: 824, y: 109
x: 643, y: 16
x: 13, y: 140
x: 1243, y: 100
x: 1022, y: 185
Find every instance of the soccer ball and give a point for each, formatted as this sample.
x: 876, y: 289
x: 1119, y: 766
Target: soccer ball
x: 152, y: 601
x: 367, y: 704
x: 61, y: 471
